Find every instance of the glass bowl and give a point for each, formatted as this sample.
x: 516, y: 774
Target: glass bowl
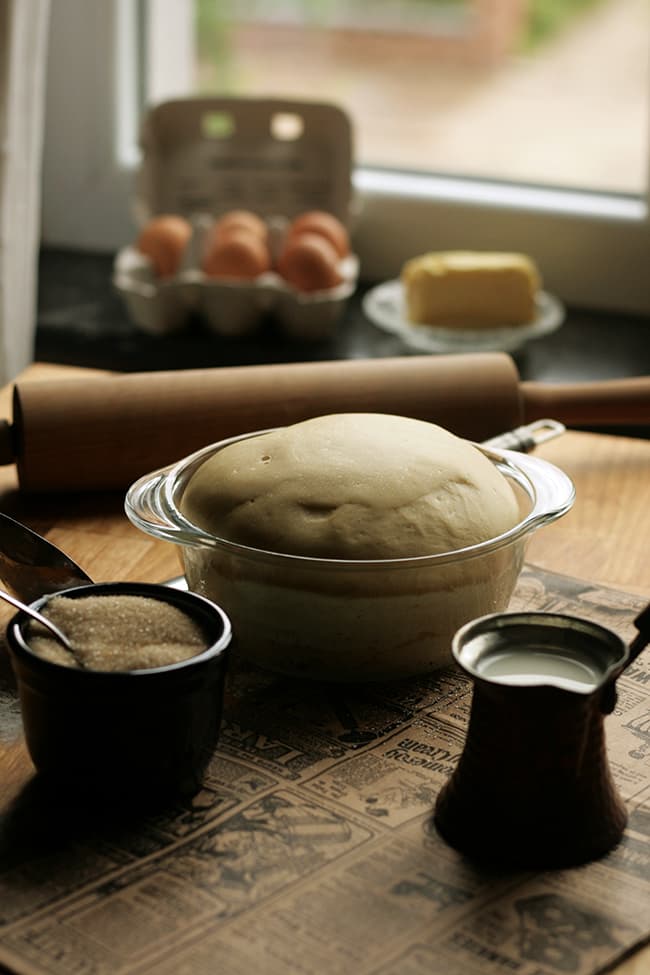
x: 339, y: 620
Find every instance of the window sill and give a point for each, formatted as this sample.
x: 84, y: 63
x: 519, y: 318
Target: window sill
x: 82, y: 322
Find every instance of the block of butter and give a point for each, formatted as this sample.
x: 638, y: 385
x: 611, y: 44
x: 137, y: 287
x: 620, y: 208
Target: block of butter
x: 470, y: 289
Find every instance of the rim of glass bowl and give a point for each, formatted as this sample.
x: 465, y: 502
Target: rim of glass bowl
x: 151, y: 505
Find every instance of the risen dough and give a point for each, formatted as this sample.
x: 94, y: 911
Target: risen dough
x: 352, y: 486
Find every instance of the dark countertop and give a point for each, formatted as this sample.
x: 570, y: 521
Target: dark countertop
x: 82, y: 321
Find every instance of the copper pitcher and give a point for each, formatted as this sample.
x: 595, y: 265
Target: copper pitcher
x: 533, y: 786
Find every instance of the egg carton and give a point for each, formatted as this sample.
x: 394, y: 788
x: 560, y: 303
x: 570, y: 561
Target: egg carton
x: 205, y: 156
x: 228, y: 307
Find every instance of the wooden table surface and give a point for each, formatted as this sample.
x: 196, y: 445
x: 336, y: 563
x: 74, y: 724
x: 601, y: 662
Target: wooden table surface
x: 605, y: 538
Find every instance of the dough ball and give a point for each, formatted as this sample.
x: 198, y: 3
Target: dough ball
x: 352, y: 486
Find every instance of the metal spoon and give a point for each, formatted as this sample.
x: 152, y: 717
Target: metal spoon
x: 30, y: 566
x: 43, y: 620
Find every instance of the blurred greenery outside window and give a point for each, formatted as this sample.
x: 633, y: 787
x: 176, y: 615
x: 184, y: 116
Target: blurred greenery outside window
x: 510, y: 90
x: 543, y: 18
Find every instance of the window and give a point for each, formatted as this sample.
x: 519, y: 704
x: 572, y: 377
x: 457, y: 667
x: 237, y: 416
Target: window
x: 474, y: 126
x: 480, y: 89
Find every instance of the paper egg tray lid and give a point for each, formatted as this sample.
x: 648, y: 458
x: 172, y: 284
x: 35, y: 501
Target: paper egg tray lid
x: 205, y: 156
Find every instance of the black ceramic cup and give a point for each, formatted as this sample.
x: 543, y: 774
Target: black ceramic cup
x: 126, y: 735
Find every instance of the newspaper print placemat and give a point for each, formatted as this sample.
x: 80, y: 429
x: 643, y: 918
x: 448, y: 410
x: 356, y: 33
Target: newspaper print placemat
x: 311, y: 849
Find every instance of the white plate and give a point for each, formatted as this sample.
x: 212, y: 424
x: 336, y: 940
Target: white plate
x: 385, y: 307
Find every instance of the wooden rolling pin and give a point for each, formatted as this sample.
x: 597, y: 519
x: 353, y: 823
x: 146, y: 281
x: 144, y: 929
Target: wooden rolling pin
x: 102, y: 432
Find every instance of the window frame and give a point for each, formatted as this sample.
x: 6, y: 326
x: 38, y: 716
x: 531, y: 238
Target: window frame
x: 593, y: 248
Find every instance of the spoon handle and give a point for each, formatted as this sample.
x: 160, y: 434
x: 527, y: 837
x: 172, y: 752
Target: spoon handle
x: 48, y: 624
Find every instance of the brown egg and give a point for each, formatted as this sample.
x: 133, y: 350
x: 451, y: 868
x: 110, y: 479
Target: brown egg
x: 163, y: 240
x: 325, y: 224
x: 240, y: 220
x: 309, y: 263
x: 240, y: 254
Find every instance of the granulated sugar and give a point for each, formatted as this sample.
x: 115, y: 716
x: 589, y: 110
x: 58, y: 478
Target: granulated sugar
x: 118, y: 632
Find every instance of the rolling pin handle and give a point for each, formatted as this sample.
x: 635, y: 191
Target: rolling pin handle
x: 610, y: 402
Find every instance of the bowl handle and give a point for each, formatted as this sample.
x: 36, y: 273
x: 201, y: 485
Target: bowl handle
x: 555, y: 491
